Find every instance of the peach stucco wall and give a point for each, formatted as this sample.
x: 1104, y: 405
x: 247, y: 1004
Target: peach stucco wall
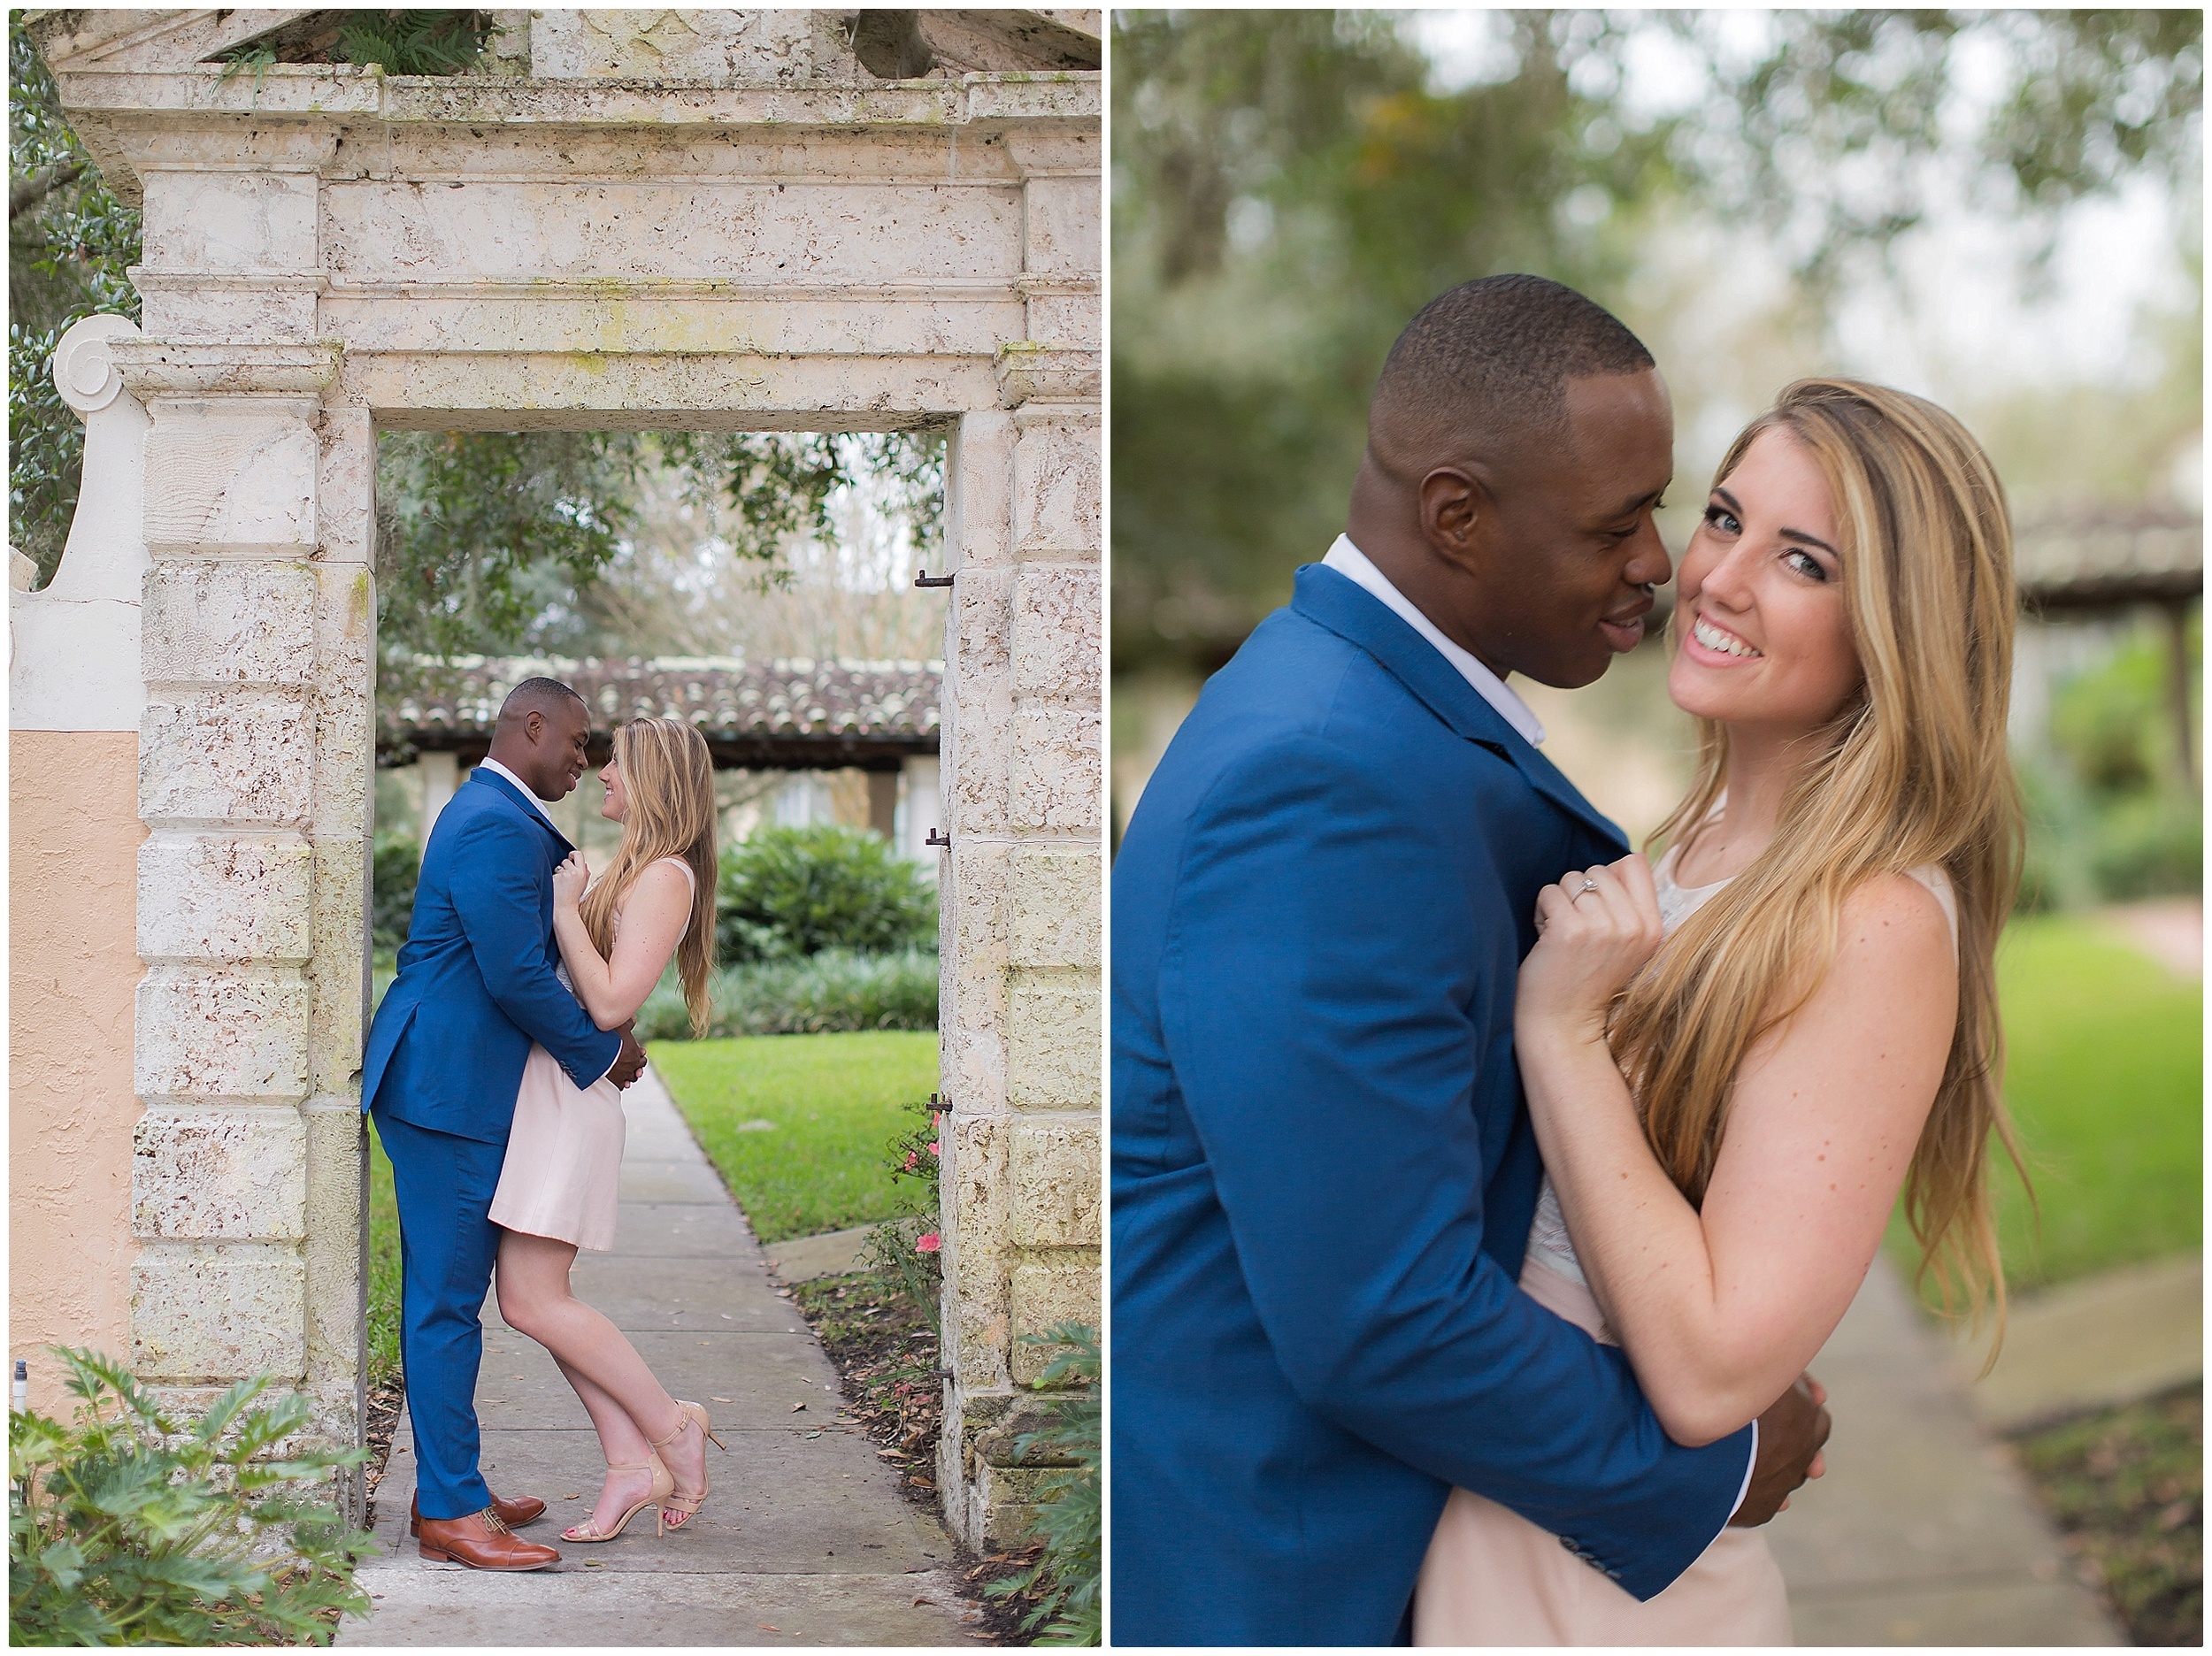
x: 74, y: 835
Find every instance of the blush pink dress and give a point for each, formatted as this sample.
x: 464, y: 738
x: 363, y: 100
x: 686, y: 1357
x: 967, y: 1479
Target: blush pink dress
x: 563, y: 1175
x: 1492, y: 1578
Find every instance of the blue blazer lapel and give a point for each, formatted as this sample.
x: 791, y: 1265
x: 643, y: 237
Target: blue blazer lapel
x: 513, y: 794
x: 1339, y: 603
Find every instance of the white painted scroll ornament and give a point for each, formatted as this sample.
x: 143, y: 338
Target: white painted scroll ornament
x: 73, y: 661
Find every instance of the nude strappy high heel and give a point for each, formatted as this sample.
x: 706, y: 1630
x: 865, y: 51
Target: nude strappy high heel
x: 664, y: 1487
x: 689, y: 1506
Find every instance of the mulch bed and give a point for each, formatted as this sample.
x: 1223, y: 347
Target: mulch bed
x: 2126, y: 1489
x: 383, y: 1419
x: 885, y: 1350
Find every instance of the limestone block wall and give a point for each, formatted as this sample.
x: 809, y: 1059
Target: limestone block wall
x: 253, y: 785
x: 1022, y: 881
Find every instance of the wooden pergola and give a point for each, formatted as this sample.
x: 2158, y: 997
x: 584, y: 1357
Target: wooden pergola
x: 878, y: 716
x: 2100, y: 561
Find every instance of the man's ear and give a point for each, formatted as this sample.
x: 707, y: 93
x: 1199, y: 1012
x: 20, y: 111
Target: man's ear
x: 1456, y: 514
x: 533, y: 723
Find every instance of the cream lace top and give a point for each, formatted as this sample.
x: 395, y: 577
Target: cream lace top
x: 1548, y: 1242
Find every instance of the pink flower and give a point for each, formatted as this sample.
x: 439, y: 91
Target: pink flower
x: 929, y: 1244
x: 910, y: 1158
x: 933, y: 1146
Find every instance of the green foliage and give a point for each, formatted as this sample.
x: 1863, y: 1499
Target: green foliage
x: 788, y: 892
x: 813, y: 994
x: 480, y: 533
x: 782, y: 484
x: 795, y: 1125
x: 2122, y: 820
x: 395, y: 862
x: 383, y: 1297
x: 133, y: 1527
x: 905, y: 1249
x: 1069, y: 1515
x: 70, y: 241
x: 416, y: 42
x: 491, y: 543
x: 404, y: 43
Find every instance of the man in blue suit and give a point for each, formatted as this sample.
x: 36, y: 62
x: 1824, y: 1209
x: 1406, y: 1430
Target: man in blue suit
x: 444, y: 1061
x: 1324, y: 1172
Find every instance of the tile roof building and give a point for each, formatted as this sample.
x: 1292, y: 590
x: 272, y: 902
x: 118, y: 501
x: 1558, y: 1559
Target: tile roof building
x: 788, y: 715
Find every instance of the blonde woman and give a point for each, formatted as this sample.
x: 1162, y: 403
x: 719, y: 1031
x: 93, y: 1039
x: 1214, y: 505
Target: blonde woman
x: 1736, y: 1060
x: 559, y: 1186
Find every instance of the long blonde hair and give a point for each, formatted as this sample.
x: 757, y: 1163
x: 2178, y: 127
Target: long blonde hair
x: 668, y: 775
x: 1914, y: 769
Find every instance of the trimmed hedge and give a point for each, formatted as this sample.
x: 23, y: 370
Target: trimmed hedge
x: 825, y: 993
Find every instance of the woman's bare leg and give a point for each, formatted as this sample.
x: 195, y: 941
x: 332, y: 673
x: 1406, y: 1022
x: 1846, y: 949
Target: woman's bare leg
x: 628, y: 1407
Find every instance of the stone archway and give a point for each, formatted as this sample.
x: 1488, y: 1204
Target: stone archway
x: 777, y: 242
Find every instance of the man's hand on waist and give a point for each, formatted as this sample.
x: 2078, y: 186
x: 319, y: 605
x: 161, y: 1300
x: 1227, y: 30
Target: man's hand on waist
x: 1791, y: 1434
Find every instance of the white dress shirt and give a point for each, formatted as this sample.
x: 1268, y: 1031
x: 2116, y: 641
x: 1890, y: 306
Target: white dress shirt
x: 560, y: 970
x: 528, y: 792
x: 1348, y: 561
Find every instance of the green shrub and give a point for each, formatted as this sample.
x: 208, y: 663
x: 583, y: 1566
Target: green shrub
x: 1068, y: 1513
x: 392, y: 866
x: 133, y: 1527
x: 829, y: 993
x: 790, y: 892
x: 2149, y: 845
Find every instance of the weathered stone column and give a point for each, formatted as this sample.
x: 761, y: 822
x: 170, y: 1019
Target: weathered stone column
x: 1022, y: 881
x: 253, y: 784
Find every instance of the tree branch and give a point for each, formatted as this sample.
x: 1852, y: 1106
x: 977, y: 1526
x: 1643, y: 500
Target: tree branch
x: 26, y: 194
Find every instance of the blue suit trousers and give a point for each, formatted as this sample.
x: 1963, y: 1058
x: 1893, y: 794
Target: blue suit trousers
x: 448, y: 1244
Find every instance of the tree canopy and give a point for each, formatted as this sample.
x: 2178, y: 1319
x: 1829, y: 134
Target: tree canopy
x: 1288, y: 188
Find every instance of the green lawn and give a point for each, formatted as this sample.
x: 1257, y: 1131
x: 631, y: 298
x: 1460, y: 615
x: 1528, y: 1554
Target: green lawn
x: 383, y: 1266
x: 836, y: 1102
x: 2104, y: 1076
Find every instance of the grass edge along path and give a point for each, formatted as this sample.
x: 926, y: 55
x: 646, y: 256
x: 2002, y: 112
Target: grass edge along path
x: 2104, y: 1077
x: 2126, y: 1487
x: 832, y: 1105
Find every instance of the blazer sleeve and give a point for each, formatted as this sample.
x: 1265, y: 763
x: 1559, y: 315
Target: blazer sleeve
x: 495, y: 896
x: 1331, y: 1020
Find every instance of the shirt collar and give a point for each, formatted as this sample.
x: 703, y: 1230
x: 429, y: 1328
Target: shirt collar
x: 1350, y: 562
x: 497, y: 769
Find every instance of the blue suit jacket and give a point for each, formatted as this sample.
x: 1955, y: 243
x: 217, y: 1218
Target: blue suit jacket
x: 1323, y: 1168
x: 476, y: 984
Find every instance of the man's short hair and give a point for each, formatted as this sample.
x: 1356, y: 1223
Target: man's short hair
x: 1487, y: 364
x: 537, y: 695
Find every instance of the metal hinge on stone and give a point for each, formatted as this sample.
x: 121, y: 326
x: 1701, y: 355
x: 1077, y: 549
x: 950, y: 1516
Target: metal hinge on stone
x: 936, y: 837
x: 923, y: 578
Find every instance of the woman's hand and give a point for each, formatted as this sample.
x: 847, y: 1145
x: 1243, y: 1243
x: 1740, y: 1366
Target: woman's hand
x: 1595, y: 928
x: 569, y: 881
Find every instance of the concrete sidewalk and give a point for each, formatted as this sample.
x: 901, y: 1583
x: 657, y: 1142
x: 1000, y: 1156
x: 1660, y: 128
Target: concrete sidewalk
x: 805, y: 1538
x: 1923, y: 1531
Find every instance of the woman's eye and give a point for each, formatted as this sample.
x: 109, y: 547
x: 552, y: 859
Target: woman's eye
x: 1721, y: 518
x: 1805, y: 564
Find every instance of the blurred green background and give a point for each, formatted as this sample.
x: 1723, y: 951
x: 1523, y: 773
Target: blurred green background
x: 2000, y: 211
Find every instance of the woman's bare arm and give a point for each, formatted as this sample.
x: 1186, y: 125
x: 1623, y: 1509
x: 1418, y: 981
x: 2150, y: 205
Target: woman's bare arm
x: 653, y: 912
x: 1720, y: 1310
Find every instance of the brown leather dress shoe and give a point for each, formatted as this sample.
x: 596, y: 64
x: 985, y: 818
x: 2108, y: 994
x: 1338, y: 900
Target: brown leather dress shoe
x: 514, y: 1513
x: 481, y: 1542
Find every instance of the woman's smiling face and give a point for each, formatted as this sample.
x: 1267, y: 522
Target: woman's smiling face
x: 1764, y: 638
x: 615, y: 807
